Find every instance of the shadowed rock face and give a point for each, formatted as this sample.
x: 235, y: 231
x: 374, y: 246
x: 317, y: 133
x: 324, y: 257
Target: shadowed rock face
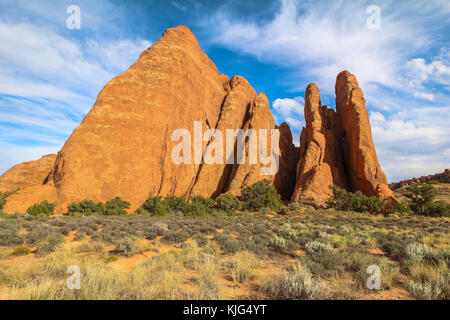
x: 289, y: 155
x: 336, y: 148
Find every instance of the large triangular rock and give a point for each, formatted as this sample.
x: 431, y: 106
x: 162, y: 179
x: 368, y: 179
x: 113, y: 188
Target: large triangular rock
x: 125, y: 145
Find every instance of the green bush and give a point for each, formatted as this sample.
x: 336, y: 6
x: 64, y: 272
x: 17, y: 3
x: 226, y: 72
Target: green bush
x: 229, y: 203
x: 354, y: 201
x: 111, y: 258
x: 261, y: 195
x: 21, y: 251
x: 116, y: 206
x: 199, y: 207
x: 175, y: 204
x: 437, y: 209
x: 154, y: 206
x: 420, y: 195
x: 86, y: 207
x: 43, y: 208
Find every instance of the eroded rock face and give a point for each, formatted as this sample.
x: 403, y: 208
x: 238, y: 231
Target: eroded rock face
x: 27, y: 174
x: 235, y: 109
x: 363, y: 169
x: 244, y: 175
x: 336, y: 148
x: 124, y: 145
x: 321, y: 163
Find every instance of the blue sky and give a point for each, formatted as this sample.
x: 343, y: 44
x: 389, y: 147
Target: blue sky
x: 50, y: 76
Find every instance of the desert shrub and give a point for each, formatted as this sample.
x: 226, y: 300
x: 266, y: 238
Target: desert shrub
x: 399, y: 208
x: 298, y: 283
x: 125, y: 246
x: 437, y: 209
x: 21, y: 251
x: 199, y: 207
x: 261, y: 195
x: 418, y: 252
x: 242, y: 266
x: 43, y: 208
x: 279, y: 244
x: 111, y: 258
x: 175, y: 204
x: 86, y: 207
x: 227, y: 244
x: 154, y: 206
x: 429, y: 282
x: 392, y: 244
x: 48, y: 244
x: 420, y: 195
x: 9, y: 233
x: 317, y: 247
x: 354, y: 201
x: 229, y: 203
x: 116, y: 207
x: 200, y: 239
x: 176, y: 236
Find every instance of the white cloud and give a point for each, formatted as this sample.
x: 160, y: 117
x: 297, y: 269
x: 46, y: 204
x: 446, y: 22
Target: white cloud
x: 424, y: 95
x: 288, y: 107
x: 438, y: 70
x: 321, y: 35
x: 407, y: 148
x: 48, y: 82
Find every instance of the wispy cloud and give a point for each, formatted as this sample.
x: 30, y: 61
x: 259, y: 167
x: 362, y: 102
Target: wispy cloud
x: 50, y: 79
x: 397, y: 67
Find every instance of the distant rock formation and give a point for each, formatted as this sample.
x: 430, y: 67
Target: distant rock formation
x: 443, y: 177
x: 336, y: 148
x: 27, y: 174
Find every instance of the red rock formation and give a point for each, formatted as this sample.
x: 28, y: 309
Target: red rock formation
x: 321, y: 163
x: 244, y: 175
x: 443, y: 177
x: 123, y: 147
x: 27, y: 174
x: 336, y: 148
x: 364, y: 171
